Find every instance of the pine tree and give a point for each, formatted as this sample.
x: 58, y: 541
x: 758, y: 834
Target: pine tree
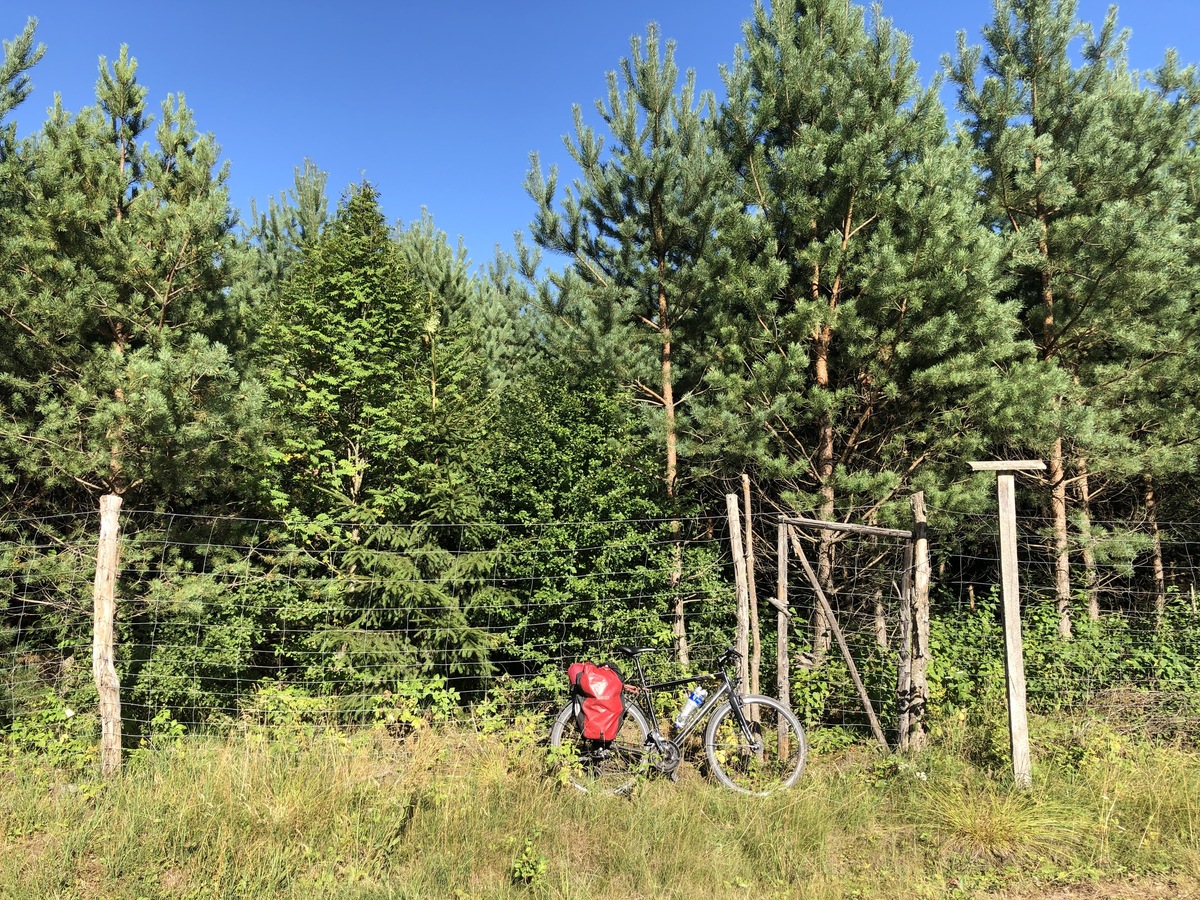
x: 868, y: 353
x: 279, y: 235
x: 20, y: 55
x: 1081, y: 170
x: 640, y: 228
x: 119, y: 373
x: 119, y: 378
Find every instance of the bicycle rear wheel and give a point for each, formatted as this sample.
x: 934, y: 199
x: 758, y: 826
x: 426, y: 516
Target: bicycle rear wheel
x: 603, y: 766
x: 770, y: 758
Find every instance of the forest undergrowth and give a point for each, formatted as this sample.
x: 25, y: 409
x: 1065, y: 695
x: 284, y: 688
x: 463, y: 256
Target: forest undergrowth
x: 478, y: 811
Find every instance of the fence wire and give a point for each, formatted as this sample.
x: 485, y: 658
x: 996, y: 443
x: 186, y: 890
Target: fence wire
x: 223, y: 622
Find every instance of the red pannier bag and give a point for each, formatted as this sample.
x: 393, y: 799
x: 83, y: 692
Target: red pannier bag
x: 600, y: 701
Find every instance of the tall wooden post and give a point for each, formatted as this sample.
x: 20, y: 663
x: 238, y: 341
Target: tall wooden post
x: 743, y: 593
x: 104, y: 605
x: 919, y: 691
x: 783, y: 675
x: 1014, y: 654
x: 755, y: 633
x: 904, y: 658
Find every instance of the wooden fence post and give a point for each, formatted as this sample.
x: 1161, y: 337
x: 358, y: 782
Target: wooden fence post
x: 743, y: 594
x: 755, y: 634
x: 904, y: 655
x: 1014, y: 653
x: 104, y: 606
x: 918, y: 704
x: 783, y: 674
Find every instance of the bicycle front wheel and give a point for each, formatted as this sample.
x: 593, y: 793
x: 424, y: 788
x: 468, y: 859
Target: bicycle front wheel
x: 602, y: 766
x: 766, y: 756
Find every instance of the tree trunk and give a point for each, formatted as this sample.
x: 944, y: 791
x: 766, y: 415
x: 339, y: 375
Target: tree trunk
x: 1058, y: 479
x: 822, y: 636
x: 678, y: 625
x: 104, y: 605
x: 881, y: 635
x: 1062, y: 561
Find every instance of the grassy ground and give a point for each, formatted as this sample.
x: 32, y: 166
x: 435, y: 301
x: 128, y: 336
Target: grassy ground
x: 459, y: 813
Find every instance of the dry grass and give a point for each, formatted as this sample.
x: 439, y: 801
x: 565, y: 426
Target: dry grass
x: 1000, y: 826
x: 457, y: 814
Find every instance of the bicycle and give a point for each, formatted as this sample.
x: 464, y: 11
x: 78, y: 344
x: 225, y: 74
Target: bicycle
x: 753, y: 744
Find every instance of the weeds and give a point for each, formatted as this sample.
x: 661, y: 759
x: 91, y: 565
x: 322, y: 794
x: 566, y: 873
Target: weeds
x: 446, y: 812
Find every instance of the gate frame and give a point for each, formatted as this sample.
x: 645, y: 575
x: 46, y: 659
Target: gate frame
x: 912, y: 689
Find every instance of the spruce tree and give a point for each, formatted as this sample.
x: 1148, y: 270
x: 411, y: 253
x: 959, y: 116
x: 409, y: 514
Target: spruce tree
x: 374, y: 389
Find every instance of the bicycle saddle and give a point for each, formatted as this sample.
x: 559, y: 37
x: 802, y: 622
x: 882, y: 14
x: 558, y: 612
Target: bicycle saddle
x: 633, y: 652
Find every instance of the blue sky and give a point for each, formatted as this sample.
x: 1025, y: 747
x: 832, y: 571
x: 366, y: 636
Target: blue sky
x: 438, y: 104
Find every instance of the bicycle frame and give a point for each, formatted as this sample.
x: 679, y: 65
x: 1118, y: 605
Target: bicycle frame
x: 644, y: 698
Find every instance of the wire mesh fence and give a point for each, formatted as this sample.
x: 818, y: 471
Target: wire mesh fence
x: 1115, y: 631
x: 224, y: 622
x: 221, y: 620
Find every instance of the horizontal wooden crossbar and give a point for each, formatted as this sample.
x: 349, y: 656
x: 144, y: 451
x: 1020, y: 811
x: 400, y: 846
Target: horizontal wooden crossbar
x: 1007, y: 465
x: 849, y: 527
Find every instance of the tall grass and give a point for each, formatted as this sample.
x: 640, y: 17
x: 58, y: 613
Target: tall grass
x: 456, y: 813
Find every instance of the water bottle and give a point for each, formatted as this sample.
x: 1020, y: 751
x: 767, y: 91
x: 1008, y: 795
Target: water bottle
x: 694, y: 700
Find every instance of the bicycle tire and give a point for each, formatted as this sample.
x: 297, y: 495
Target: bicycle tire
x: 610, y: 767
x: 778, y: 760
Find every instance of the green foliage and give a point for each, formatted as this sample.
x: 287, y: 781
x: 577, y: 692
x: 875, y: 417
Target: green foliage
x: 1088, y: 173
x: 815, y: 284
x: 642, y: 228
x: 530, y: 866
x: 372, y: 381
x: 865, y: 349
x: 120, y: 376
x: 966, y: 667
x: 812, y: 687
x: 20, y: 55
x: 416, y: 702
x: 62, y: 737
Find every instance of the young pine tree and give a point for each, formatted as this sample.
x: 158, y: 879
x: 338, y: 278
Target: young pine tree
x: 641, y: 228
x: 1083, y: 170
x: 867, y: 352
x: 119, y: 378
